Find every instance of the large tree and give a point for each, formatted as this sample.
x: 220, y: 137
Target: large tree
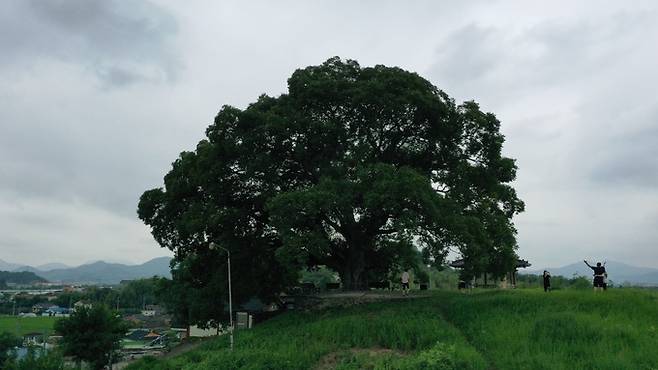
x: 354, y: 168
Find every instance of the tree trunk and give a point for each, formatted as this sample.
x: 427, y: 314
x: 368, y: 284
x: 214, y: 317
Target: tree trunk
x: 352, y: 274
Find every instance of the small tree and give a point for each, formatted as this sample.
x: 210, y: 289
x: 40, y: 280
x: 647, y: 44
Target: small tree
x: 91, y: 335
x: 7, y: 343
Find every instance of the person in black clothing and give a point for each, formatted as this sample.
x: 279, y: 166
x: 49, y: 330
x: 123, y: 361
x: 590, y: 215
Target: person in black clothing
x: 599, y: 275
x: 547, y: 281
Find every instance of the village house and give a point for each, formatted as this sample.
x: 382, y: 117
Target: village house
x: 32, y: 339
x: 57, y: 311
x: 39, y: 308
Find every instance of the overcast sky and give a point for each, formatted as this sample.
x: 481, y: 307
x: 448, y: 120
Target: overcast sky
x: 97, y: 98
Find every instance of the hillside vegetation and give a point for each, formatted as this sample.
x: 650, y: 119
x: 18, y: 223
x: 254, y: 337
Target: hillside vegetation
x: 522, y: 329
x: 20, y: 278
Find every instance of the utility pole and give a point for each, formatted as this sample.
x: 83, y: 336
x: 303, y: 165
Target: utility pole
x: 230, y: 296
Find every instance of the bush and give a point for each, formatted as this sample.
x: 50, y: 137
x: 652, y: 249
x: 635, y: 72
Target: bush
x: 37, y: 361
x: 444, y: 356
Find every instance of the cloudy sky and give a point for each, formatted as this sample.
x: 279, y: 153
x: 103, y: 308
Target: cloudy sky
x: 97, y: 98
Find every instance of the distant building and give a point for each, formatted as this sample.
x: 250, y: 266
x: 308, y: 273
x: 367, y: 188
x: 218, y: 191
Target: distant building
x: 180, y: 333
x: 72, y: 288
x: 151, y: 310
x: 39, y: 308
x: 32, y: 339
x: 137, y: 334
x: 196, y: 331
x: 57, y: 311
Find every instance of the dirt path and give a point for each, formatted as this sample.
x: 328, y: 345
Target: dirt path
x: 346, y: 299
x: 185, y: 347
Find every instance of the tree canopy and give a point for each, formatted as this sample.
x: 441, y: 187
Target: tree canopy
x: 355, y: 168
x: 91, y: 335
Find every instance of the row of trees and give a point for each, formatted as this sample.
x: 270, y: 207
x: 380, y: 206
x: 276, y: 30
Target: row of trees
x: 131, y: 295
x: 356, y: 169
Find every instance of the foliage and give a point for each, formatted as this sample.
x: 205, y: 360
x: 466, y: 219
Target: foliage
x: 440, y: 357
x: 178, y: 296
x: 354, y: 168
x: 445, y: 279
x: 21, y: 302
x: 91, y: 334
x: 53, y: 360
x: 318, y: 275
x: 7, y: 343
x: 131, y: 295
x: 557, y: 282
x: 20, y: 278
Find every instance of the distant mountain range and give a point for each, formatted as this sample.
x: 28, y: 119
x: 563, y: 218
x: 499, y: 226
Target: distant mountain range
x: 7, y: 266
x: 95, y: 273
x: 618, y: 272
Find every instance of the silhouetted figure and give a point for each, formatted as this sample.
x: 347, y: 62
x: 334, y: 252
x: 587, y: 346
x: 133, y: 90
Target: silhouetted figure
x: 547, y: 281
x: 599, y: 275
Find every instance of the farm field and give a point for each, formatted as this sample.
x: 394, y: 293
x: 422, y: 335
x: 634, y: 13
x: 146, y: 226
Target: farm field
x: 520, y: 329
x: 23, y: 325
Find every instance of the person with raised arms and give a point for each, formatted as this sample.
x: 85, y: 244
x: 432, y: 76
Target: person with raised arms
x: 599, y: 275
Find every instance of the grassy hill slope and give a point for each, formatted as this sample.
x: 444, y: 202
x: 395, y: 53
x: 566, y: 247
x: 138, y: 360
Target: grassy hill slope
x: 522, y: 329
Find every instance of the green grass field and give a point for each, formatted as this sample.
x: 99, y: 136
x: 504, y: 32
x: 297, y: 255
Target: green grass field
x: 23, y: 325
x: 521, y: 329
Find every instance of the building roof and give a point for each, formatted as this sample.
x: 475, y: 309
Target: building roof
x: 57, y: 309
x: 152, y: 334
x: 137, y: 334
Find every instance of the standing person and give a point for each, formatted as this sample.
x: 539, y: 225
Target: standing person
x: 599, y: 275
x: 547, y: 281
x: 405, y: 282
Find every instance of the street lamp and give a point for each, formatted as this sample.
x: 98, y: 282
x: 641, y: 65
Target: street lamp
x: 214, y: 246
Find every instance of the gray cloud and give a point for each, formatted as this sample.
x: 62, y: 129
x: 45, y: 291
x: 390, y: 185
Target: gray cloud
x: 628, y: 160
x: 120, y: 42
x: 95, y: 105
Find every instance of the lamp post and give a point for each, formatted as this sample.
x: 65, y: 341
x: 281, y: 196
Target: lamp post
x: 214, y: 246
